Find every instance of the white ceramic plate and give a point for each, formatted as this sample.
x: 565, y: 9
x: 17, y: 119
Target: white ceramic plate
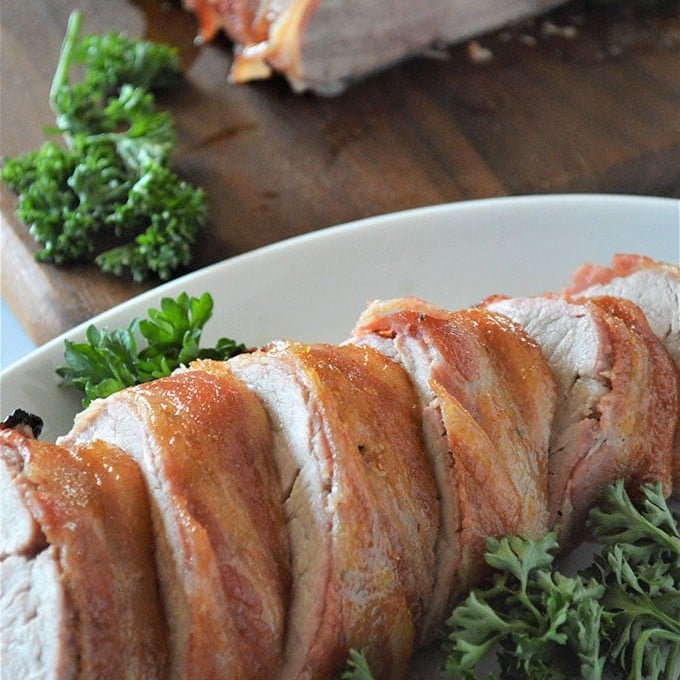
x: 313, y: 288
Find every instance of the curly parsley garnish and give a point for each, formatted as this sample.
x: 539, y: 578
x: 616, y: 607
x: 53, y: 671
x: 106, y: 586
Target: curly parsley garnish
x: 621, y: 615
x: 106, y: 192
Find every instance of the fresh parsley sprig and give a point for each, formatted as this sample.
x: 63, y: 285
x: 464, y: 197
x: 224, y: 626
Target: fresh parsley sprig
x: 640, y: 568
x: 107, y: 192
x: 544, y: 623
x: 622, y: 614
x: 356, y: 667
x: 111, y: 360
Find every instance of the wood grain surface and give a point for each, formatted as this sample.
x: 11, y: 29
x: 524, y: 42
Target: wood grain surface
x: 598, y: 112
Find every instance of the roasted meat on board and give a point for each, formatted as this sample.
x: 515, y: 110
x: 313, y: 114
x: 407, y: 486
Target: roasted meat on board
x: 322, y: 45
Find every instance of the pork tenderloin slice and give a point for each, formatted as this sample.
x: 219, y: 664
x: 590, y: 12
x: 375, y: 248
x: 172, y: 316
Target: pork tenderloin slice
x: 487, y: 399
x: 302, y: 453
x: 37, y: 625
x: 91, y: 507
x: 21, y: 534
x: 324, y: 44
x: 602, y: 368
x: 36, y: 630
x: 651, y: 426
x: 361, y: 502
x: 376, y: 404
x: 203, y: 444
x: 653, y: 286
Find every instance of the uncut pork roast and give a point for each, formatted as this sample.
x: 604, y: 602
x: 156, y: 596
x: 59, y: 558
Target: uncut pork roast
x: 79, y: 589
x: 323, y: 44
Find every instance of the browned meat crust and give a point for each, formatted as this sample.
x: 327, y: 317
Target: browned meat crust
x: 487, y: 419
x: 92, y: 545
x: 203, y: 444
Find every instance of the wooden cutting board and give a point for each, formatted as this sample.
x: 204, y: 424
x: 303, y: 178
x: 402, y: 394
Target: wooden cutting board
x: 593, y: 108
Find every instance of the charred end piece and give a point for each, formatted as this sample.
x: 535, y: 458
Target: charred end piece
x: 267, y: 37
x: 27, y: 423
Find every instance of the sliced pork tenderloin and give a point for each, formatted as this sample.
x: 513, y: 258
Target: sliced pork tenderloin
x: 655, y: 287
x: 487, y: 398
x: 38, y: 624
x: 360, y: 500
x: 79, y: 589
x: 610, y: 384
x: 203, y: 444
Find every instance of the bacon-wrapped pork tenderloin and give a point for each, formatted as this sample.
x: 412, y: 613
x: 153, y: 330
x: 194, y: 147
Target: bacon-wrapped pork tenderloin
x: 203, y: 443
x: 324, y: 44
x: 487, y: 397
x: 79, y: 590
x: 360, y: 500
x: 257, y: 518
